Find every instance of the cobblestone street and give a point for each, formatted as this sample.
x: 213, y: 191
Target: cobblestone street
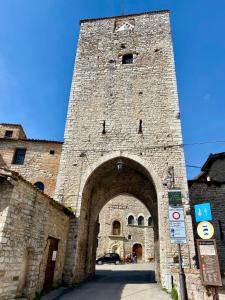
x: 129, y: 282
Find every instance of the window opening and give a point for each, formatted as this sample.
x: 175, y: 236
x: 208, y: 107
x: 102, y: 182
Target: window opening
x: 40, y: 186
x: 8, y: 134
x: 116, y: 228
x: 150, y: 221
x: 129, y: 237
x: 52, y: 152
x: 130, y: 220
x: 103, y: 129
x: 19, y: 156
x: 127, y: 59
x: 140, y: 127
x: 141, y: 221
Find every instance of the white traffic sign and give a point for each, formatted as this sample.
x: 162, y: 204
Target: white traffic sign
x: 177, y: 232
x: 176, y: 213
x: 205, y: 230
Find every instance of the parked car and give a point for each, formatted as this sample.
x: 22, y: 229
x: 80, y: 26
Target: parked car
x: 109, y: 258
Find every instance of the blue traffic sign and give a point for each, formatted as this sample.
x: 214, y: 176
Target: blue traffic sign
x: 203, y: 212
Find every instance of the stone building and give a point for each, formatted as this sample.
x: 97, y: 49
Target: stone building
x: 126, y: 226
x: 33, y: 238
x: 36, y: 160
x: 209, y: 186
x: 122, y: 134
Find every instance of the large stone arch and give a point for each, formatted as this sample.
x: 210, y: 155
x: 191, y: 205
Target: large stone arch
x: 99, y: 184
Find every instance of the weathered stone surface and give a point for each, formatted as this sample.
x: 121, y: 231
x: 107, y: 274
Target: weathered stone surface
x: 119, y: 209
x: 27, y: 219
x: 107, y: 102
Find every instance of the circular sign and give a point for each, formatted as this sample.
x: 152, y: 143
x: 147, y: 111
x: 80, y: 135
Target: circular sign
x: 176, y: 215
x: 205, y: 230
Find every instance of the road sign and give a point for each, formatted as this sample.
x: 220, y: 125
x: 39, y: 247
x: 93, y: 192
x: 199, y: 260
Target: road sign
x: 209, y: 263
x: 175, y: 197
x: 203, y: 212
x: 205, y: 230
x: 177, y: 232
x: 176, y: 213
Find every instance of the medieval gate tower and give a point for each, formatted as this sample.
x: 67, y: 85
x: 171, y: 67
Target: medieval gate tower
x: 122, y: 134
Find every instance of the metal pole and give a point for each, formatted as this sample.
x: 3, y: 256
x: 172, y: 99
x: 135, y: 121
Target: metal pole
x: 183, y: 293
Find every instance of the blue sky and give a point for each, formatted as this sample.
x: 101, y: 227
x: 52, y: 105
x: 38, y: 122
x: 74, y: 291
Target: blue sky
x: 37, y: 49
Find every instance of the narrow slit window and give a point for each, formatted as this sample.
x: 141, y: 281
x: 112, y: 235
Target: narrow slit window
x: 127, y: 59
x: 103, y: 128
x: 140, y: 127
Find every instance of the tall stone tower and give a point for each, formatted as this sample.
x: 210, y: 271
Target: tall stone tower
x: 122, y: 133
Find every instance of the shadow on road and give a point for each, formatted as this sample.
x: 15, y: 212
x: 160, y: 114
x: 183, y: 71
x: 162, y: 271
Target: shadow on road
x: 110, y: 285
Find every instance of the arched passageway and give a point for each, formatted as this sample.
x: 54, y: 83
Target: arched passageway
x: 106, y: 182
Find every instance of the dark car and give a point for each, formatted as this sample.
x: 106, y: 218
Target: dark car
x: 109, y: 258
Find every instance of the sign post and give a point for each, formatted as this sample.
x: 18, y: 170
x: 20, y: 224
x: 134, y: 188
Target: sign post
x: 178, y: 232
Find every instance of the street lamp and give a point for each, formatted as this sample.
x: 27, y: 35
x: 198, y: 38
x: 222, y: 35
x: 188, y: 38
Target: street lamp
x: 119, y: 164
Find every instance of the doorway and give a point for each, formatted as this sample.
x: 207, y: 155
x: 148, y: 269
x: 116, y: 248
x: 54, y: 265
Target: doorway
x: 51, y: 261
x: 137, y: 248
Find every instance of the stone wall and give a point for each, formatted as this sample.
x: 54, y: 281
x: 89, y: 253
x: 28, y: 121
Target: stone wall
x: 39, y: 164
x: 123, y: 111
x: 201, y: 192
x: 120, y: 208
x: 28, y: 218
x: 17, y: 131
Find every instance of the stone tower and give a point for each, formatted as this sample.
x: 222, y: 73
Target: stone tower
x: 122, y: 133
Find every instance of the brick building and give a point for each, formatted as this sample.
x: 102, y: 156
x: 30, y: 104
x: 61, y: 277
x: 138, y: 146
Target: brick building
x: 36, y: 160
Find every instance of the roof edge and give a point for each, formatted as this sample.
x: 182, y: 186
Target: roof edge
x: 125, y: 16
x: 5, y: 172
x: 32, y: 140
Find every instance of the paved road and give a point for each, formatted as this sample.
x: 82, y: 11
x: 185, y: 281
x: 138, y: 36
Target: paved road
x: 125, y: 282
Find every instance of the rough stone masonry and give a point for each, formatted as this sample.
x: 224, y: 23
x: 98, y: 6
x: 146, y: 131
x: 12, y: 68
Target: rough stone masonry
x: 122, y: 133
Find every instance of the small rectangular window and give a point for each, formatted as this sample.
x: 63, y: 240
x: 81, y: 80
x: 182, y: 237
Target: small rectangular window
x: 19, y: 156
x: 129, y: 237
x: 8, y: 134
x: 52, y: 152
x: 127, y: 59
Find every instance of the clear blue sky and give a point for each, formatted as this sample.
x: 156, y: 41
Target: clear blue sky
x: 37, y: 49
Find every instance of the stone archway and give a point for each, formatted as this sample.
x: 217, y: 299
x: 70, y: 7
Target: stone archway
x: 106, y: 182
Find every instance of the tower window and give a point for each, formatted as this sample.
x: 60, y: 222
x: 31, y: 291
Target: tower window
x: 103, y: 128
x: 141, y: 221
x: 140, y: 127
x: 150, y: 221
x: 129, y: 237
x: 8, y: 134
x: 19, y: 156
x: 130, y: 220
x: 40, y: 186
x: 52, y: 152
x: 127, y: 59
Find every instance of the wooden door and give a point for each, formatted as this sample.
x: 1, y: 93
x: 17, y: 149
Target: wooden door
x: 50, y: 267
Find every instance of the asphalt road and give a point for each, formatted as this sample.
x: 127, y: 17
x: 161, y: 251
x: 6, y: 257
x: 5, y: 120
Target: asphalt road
x: 128, y: 282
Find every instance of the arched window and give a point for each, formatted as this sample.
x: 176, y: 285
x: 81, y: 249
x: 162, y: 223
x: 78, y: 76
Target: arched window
x: 116, y: 228
x: 40, y: 185
x: 141, y: 221
x: 150, y: 221
x: 130, y: 220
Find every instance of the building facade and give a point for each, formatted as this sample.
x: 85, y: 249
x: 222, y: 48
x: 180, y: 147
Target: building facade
x: 209, y: 187
x: 36, y: 160
x: 122, y: 134
x: 126, y: 226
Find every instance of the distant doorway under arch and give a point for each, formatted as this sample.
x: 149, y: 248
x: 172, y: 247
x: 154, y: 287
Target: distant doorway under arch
x: 137, y: 248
